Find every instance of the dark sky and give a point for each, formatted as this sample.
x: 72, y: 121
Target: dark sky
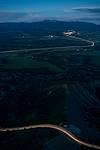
x: 36, y: 10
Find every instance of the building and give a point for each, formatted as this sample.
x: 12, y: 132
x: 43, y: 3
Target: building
x: 69, y: 33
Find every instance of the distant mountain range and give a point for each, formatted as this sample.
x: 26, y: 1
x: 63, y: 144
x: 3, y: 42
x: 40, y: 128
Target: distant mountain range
x: 48, y: 26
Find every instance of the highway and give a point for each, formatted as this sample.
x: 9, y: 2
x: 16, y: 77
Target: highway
x: 51, y: 48
x: 67, y: 133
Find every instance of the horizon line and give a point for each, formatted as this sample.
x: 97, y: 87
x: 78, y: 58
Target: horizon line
x: 52, y: 20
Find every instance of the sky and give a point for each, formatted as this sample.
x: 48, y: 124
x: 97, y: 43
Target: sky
x: 38, y: 10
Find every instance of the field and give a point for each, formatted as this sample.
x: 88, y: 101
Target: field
x: 59, y: 85
x: 26, y: 62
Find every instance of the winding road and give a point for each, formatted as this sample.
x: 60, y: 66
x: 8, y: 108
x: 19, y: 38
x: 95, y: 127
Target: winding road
x: 67, y: 133
x: 51, y: 48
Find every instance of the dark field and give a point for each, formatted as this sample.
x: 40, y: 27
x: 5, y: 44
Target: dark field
x: 58, y: 86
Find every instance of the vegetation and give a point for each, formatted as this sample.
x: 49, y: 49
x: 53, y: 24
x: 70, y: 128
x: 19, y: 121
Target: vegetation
x: 35, y: 86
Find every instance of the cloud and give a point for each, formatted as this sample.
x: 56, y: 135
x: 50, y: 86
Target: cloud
x: 85, y: 14
x: 79, y: 18
x: 76, y: 14
x: 91, y: 10
x: 18, y: 16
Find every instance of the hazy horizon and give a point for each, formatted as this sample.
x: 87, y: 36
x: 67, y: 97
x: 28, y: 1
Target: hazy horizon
x: 39, y: 10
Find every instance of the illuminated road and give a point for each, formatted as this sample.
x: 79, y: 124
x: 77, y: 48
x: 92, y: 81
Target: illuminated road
x: 51, y: 48
x: 67, y: 133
